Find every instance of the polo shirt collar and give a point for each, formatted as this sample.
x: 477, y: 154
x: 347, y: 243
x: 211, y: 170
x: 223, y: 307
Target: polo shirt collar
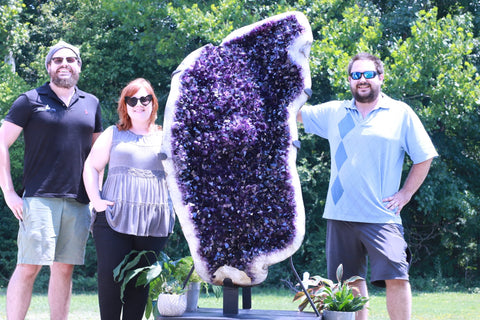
x: 46, y: 90
x: 381, y: 104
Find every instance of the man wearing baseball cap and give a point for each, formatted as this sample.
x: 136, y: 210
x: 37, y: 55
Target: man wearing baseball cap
x: 60, y: 123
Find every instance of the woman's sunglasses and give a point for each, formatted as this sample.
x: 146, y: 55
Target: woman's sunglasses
x: 132, y: 101
x: 366, y: 74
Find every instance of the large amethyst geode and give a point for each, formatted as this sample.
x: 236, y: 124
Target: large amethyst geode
x: 230, y: 128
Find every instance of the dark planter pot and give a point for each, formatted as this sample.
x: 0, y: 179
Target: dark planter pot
x: 193, y: 293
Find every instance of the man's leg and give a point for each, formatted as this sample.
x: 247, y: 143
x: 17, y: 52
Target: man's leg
x: 399, y: 299
x: 344, y: 247
x: 19, y: 291
x: 60, y: 290
x: 361, y: 285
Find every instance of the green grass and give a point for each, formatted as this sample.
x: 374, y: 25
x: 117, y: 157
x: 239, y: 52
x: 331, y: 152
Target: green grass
x: 426, y: 306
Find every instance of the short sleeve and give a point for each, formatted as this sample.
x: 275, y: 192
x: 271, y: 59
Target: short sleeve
x: 20, y: 111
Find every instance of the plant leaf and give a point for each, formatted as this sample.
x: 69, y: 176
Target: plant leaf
x: 148, y: 308
x: 128, y: 276
x: 126, y: 264
x: 154, y: 271
x: 340, y: 272
x: 298, y: 295
x: 353, y: 279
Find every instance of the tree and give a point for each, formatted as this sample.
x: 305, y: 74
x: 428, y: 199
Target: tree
x: 442, y: 88
x: 12, y: 34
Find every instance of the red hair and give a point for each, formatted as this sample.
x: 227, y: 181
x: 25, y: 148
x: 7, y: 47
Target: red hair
x: 124, y: 121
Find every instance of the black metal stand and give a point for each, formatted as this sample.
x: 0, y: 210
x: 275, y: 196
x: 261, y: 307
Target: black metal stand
x: 230, y: 294
x: 188, y: 277
x: 230, y: 297
x: 303, y: 288
x: 247, y: 298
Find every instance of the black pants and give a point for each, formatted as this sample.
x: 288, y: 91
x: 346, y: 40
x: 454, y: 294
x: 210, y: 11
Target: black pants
x: 112, y: 247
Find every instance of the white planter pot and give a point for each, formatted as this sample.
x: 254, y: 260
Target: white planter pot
x: 171, y: 305
x: 193, y: 293
x: 338, y: 315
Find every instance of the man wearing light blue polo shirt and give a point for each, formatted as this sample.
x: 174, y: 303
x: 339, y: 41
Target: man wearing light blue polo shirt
x: 368, y: 137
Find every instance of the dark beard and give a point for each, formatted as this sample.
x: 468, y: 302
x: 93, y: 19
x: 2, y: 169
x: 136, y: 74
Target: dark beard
x: 368, y: 98
x: 364, y: 99
x: 66, y: 83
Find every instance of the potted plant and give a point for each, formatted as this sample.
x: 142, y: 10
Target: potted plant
x: 332, y: 298
x: 172, y: 300
x: 166, y: 290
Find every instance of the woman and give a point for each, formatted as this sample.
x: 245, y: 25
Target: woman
x: 133, y: 211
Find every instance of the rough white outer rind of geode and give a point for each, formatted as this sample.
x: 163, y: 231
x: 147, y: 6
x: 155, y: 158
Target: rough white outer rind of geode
x: 199, y: 125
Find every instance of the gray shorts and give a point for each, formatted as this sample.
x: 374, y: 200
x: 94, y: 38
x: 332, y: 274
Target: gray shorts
x: 53, y: 229
x: 349, y: 243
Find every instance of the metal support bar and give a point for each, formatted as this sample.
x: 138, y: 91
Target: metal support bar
x: 188, y: 277
x: 303, y: 288
x: 230, y: 297
x: 247, y: 298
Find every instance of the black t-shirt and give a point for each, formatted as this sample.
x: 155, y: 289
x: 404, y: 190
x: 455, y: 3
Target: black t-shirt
x: 57, y: 141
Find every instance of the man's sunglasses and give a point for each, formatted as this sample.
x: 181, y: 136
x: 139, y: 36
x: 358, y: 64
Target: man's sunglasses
x: 132, y: 101
x: 366, y: 74
x: 59, y: 60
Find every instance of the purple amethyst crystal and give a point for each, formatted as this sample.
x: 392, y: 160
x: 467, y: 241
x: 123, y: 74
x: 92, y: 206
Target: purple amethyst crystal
x: 229, y: 134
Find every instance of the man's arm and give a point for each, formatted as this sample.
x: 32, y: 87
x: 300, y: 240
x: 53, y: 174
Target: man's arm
x: 299, y: 115
x: 416, y: 176
x: 9, y: 133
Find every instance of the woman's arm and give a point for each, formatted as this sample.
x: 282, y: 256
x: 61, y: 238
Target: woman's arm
x: 94, y: 166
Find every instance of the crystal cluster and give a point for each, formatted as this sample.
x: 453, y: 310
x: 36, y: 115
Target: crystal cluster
x: 230, y: 142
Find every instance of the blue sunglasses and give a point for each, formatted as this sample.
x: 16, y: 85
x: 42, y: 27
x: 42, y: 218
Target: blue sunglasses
x: 366, y: 74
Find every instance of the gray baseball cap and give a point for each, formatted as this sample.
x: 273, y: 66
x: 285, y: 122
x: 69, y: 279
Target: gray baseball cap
x: 58, y: 46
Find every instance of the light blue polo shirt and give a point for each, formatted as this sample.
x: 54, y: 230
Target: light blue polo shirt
x: 367, y: 155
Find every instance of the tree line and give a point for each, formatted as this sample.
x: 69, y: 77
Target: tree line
x: 431, y: 53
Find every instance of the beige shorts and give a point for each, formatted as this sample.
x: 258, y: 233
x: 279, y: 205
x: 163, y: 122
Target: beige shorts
x: 53, y: 229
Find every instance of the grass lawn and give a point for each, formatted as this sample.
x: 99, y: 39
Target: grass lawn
x: 426, y: 306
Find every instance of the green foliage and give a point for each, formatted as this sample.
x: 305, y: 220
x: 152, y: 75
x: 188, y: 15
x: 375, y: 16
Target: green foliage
x: 8, y: 257
x: 442, y: 88
x: 8, y: 223
x: 12, y: 34
x: 177, y: 246
x: 356, y: 30
x: 12, y: 30
x: 11, y: 86
x: 183, y: 269
x: 162, y: 276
